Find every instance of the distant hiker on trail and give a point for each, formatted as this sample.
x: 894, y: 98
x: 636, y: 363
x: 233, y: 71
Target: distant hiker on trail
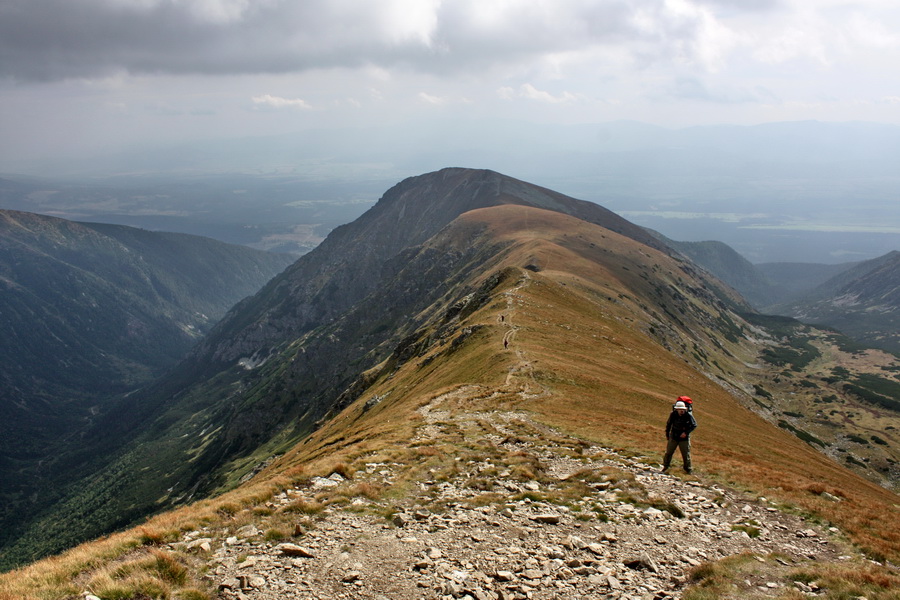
x: 678, y: 435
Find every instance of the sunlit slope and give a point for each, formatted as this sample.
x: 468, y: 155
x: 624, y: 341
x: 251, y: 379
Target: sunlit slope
x: 583, y: 350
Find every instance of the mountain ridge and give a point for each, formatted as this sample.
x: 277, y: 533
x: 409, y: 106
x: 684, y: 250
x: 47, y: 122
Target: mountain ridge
x: 239, y: 392
x: 530, y: 403
x: 606, y: 331
x: 461, y: 190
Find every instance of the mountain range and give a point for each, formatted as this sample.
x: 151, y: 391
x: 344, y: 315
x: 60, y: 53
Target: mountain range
x: 860, y: 299
x: 504, y: 294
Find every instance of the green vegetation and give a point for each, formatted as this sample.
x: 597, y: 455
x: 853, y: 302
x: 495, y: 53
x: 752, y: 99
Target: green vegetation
x: 761, y: 391
x: 803, y: 435
x: 846, y: 344
x: 855, y: 580
x: 751, y: 529
x: 853, y: 461
x: 798, y: 354
x: 876, y: 390
x: 729, y: 578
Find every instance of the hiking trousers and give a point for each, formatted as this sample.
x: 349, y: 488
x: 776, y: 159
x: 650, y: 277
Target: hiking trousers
x: 685, y: 447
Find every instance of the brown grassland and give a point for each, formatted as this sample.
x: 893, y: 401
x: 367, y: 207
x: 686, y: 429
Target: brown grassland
x: 581, y: 357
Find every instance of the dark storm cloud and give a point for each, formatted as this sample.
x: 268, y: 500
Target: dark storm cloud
x: 58, y: 39
x: 52, y: 39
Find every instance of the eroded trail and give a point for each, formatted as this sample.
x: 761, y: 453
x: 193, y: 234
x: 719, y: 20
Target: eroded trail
x: 521, y: 374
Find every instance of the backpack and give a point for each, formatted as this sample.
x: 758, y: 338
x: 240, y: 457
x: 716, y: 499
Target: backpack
x: 687, y: 402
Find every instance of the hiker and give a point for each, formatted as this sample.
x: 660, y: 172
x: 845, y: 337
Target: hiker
x: 678, y: 435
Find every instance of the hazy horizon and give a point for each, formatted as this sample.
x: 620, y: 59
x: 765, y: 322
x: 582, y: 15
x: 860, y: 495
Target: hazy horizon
x: 773, y: 121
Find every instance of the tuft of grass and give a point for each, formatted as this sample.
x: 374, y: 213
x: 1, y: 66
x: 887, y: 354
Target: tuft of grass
x: 815, y: 488
x: 342, y: 469
x: 481, y: 484
x: 869, y: 580
x: 275, y: 535
x: 304, y: 507
x: 485, y: 499
x: 532, y: 496
x: 229, y: 508
x: 715, y: 579
x: 156, y: 537
x: 167, y: 567
x: 157, y: 574
x: 601, y: 513
x: 128, y: 590
x: 368, y: 490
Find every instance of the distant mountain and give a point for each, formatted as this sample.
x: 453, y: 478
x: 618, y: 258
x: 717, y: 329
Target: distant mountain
x: 858, y: 299
x: 99, y: 307
x: 89, y: 311
x: 863, y: 302
x: 725, y: 263
x: 793, y: 280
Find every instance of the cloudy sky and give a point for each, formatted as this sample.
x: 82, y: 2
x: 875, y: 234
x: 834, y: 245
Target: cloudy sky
x: 92, y: 76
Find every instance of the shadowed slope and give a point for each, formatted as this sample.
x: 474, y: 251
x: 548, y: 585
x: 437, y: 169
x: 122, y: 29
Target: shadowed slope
x: 88, y: 312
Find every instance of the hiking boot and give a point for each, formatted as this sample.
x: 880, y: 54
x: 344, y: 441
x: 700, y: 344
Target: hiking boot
x: 664, y: 469
x: 688, y: 471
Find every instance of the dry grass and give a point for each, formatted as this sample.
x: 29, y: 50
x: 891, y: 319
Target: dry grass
x: 714, y: 580
x: 855, y: 580
x: 729, y: 577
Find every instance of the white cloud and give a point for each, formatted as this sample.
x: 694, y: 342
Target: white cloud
x: 528, y: 91
x: 429, y: 99
x: 267, y: 100
x: 532, y: 93
x: 94, y: 37
x: 403, y: 20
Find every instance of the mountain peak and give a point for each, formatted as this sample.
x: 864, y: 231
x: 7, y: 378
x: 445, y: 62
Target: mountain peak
x: 350, y: 259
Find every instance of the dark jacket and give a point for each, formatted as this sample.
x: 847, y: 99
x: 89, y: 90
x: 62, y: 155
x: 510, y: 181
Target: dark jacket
x: 678, y: 424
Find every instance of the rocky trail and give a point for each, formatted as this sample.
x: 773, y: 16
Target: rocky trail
x: 519, y: 512
x: 491, y: 505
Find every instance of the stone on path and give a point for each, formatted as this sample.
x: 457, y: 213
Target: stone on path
x: 295, y: 550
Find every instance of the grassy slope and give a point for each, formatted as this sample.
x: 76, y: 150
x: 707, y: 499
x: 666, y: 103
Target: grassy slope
x: 581, y: 356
